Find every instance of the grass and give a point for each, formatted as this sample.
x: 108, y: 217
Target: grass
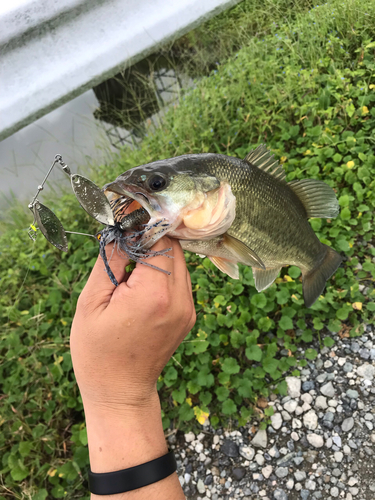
x: 311, y: 100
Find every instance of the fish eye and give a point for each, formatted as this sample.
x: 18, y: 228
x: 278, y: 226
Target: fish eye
x: 157, y: 182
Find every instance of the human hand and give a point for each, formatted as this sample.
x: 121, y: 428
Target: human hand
x: 122, y: 337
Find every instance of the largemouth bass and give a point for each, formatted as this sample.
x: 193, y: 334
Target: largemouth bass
x: 235, y: 211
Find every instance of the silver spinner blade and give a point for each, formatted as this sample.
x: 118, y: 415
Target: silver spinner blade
x: 92, y: 199
x: 50, y: 226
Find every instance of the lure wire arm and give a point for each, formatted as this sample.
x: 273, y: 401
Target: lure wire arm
x: 41, y: 186
x: 46, y: 220
x: 95, y: 203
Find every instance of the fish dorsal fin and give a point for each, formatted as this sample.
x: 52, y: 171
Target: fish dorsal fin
x: 317, y: 197
x: 264, y: 278
x: 262, y: 158
x: 242, y: 252
x: 226, y: 266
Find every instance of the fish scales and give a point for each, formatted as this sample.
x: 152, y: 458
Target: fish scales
x: 270, y: 218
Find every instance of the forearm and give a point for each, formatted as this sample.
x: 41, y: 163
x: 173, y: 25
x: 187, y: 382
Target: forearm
x: 119, y: 440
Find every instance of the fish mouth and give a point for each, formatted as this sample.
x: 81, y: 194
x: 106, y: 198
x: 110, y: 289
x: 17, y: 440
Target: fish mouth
x: 126, y: 195
x: 157, y: 225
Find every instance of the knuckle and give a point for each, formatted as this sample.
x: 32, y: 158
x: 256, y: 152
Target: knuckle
x: 193, y: 319
x: 188, y: 315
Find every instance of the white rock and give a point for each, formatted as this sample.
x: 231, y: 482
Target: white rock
x: 338, y: 456
x: 267, y: 471
x: 328, y: 390
x: 290, y: 406
x: 315, y: 440
x: 299, y: 410
x: 294, y: 436
x: 189, y: 437
x: 366, y: 371
x: 290, y: 484
x: 216, y: 439
x: 199, y: 447
x: 305, y: 407
x: 294, y: 386
x: 373, y: 438
x: 333, y: 403
x: 310, y: 484
x: 273, y: 451
x: 200, y: 486
x: 286, y: 416
x: 276, y: 421
x: 259, y: 459
x: 321, y: 403
x: 247, y: 452
x: 296, y: 423
x: 260, y: 439
x: 310, y: 420
x: 347, y: 424
x: 354, y: 491
x: 307, y: 398
x: 341, y: 361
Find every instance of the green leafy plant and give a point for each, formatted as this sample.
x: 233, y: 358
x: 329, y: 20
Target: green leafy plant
x: 305, y: 88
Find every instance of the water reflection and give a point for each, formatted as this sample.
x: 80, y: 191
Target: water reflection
x: 70, y: 130
x: 87, y: 130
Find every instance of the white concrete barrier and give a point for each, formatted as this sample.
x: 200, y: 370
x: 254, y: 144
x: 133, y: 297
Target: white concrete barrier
x: 54, y: 50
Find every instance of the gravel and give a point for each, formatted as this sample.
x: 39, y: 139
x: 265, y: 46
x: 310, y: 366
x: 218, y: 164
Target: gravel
x: 320, y: 443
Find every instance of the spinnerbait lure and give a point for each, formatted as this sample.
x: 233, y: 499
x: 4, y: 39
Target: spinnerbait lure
x: 95, y: 203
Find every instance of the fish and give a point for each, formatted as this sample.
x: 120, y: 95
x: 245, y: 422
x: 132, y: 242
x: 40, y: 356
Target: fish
x: 235, y: 211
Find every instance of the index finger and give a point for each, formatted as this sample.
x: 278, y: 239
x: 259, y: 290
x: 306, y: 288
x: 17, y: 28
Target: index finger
x: 171, y: 270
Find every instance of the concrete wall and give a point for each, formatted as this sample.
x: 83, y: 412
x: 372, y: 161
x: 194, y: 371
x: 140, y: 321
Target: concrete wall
x: 54, y: 50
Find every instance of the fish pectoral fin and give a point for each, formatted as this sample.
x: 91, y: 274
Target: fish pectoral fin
x: 242, y: 252
x: 317, y: 197
x: 265, y: 277
x: 226, y: 266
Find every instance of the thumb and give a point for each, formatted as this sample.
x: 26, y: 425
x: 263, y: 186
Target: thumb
x: 99, y: 287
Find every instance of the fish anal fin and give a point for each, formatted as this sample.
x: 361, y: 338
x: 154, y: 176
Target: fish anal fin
x: 262, y: 158
x: 242, y: 252
x: 317, y: 197
x: 265, y: 277
x: 314, y: 281
x: 226, y: 266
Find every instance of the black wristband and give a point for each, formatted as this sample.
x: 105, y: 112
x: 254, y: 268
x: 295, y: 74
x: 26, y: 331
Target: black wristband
x: 111, y: 483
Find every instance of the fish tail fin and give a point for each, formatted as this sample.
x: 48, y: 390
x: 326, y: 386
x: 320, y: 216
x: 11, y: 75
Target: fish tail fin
x: 314, y: 281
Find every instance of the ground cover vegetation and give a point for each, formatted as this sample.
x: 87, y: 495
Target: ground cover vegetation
x: 307, y: 90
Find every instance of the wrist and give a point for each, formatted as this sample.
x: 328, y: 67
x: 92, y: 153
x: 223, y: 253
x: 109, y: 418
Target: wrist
x: 120, y: 437
x: 120, y: 398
